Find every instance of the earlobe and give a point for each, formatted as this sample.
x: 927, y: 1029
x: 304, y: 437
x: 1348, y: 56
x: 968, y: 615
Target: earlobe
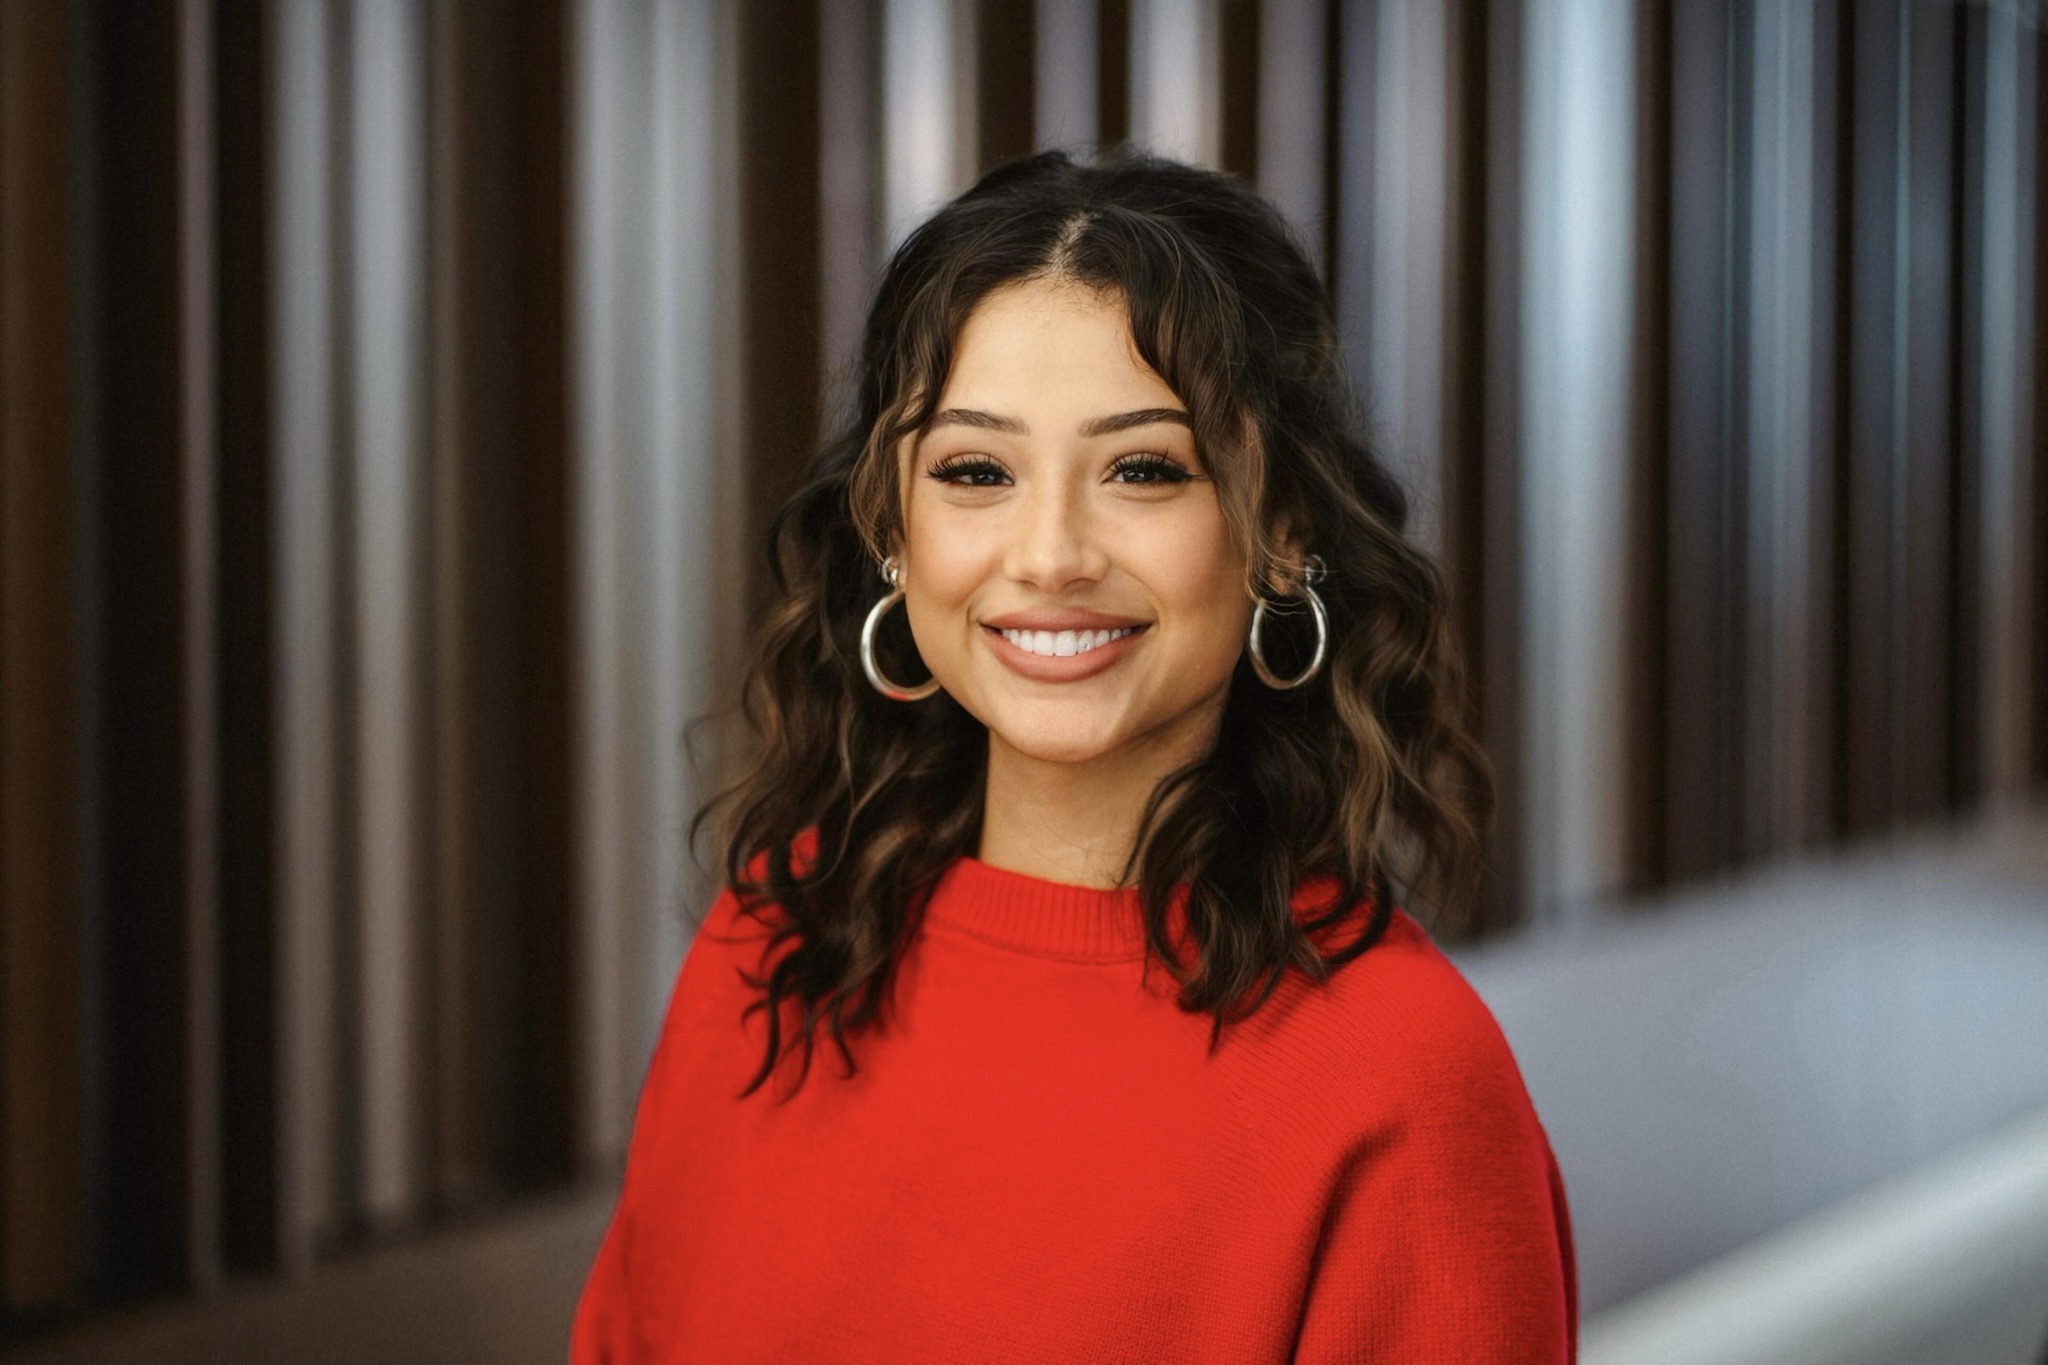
x: 1289, y: 568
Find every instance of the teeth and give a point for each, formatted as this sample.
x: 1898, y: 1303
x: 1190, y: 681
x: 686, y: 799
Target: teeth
x: 1060, y: 644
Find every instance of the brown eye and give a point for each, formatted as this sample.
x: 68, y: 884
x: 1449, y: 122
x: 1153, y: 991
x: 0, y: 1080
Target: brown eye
x: 970, y: 471
x: 1148, y: 468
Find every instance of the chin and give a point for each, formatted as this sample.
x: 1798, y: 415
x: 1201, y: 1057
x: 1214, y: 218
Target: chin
x: 1059, y: 740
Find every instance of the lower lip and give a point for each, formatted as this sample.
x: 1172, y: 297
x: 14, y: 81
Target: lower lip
x: 1057, y: 667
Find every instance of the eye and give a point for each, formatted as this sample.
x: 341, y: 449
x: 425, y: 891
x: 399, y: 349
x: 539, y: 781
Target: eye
x: 971, y: 471
x: 1148, y: 467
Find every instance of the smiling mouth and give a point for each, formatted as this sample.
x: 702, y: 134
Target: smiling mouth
x: 1061, y: 644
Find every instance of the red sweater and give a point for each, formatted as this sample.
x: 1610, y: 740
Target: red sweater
x: 1037, y: 1160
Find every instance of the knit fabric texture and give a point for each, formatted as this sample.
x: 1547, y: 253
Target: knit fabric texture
x: 1038, y: 1159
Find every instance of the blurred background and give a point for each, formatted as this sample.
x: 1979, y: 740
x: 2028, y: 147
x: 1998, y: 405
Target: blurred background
x: 392, y: 397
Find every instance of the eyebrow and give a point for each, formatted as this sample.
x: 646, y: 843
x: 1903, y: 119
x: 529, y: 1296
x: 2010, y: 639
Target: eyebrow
x: 1094, y: 426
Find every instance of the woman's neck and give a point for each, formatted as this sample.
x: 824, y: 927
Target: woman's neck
x: 1075, y: 822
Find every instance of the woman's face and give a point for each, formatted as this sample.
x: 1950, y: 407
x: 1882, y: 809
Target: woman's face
x: 1068, y: 573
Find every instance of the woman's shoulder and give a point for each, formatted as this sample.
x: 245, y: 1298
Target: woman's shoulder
x: 730, y: 943
x: 1400, y: 1022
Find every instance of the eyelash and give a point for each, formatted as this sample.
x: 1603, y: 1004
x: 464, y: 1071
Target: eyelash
x: 965, y: 469
x: 959, y: 468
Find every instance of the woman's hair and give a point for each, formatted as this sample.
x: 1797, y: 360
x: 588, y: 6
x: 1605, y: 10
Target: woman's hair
x: 1366, y: 775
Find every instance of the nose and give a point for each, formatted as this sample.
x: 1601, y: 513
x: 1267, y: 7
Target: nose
x: 1054, y: 546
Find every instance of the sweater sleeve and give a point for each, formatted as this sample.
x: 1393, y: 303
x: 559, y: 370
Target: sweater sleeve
x: 1447, y: 1237
x: 603, y: 1332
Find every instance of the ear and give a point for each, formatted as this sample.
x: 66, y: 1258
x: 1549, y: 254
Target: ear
x: 1287, y: 566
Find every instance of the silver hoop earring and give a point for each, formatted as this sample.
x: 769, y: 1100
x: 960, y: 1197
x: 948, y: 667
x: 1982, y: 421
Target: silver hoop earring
x: 893, y: 691
x: 1315, y: 605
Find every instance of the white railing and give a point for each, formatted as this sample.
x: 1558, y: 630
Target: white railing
x: 1883, y: 1267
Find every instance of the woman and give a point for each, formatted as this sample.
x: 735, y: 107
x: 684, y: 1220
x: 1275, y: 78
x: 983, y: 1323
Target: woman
x: 1137, y: 1056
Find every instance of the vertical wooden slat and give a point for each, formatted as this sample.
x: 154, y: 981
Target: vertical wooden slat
x: 504, y: 572
x: 686, y: 537
x: 1971, y: 593
x: 1113, y: 71
x: 2033, y: 71
x: 1065, y: 106
x: 300, y: 157
x: 1352, y: 145
x: 849, y: 209
x: 647, y: 123
x: 1869, y: 582
x: 1472, y: 467
x: 199, y: 478
x: 39, y: 971
x: 1176, y: 105
x: 1292, y: 117
x: 247, y: 829
x: 1403, y: 362
x: 2003, y: 348
x: 386, y: 336
x: 1494, y: 51
x: 1777, y: 342
x: 1924, y: 734
x: 921, y: 95
x: 459, y: 1123
x: 1649, y: 818
x: 1846, y: 369
x: 140, y: 1233
x: 609, y: 90
x: 1816, y: 809
x: 646, y: 101
x: 1699, y: 527
x: 345, y: 584
x: 1575, y: 428
x: 1006, y: 79
x: 1239, y: 24
x: 1814, y: 106
x: 778, y: 257
x: 963, y: 60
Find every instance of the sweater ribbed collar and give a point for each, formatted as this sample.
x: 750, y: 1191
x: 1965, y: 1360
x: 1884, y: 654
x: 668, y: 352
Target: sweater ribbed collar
x: 1071, y: 923
x: 1046, y: 919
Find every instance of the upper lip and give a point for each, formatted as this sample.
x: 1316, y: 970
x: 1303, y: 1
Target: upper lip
x: 1066, y: 618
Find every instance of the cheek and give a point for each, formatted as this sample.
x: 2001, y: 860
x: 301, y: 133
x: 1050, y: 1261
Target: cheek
x: 946, y: 564
x: 937, y: 554
x: 1199, y: 578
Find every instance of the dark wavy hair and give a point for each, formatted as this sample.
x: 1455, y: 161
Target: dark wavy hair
x: 854, y: 805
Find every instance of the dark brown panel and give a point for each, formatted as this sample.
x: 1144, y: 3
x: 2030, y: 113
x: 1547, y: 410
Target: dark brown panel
x: 1474, y: 467
x: 1925, y: 739
x: 248, y: 929
x: 1006, y: 79
x: 779, y: 248
x: 1839, y: 41
x: 1820, y: 813
x: 1742, y: 578
x: 1333, y: 141
x: 39, y: 1081
x: 1702, y: 526
x: 134, y: 611
x: 1965, y: 663
x: 1113, y: 71
x: 2037, y: 331
x: 849, y: 203
x: 1647, y: 838
x: 506, y: 1110
x: 1239, y: 24
x: 1870, y: 664
x: 198, y: 665
x: 1504, y: 893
